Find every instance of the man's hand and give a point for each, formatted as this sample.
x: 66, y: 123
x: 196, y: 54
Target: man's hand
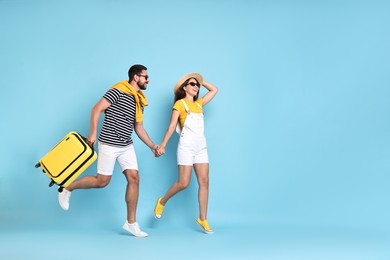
x: 160, y: 150
x: 91, y: 139
x: 155, y: 150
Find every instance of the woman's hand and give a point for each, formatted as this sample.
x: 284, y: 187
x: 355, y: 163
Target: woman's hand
x: 160, y: 150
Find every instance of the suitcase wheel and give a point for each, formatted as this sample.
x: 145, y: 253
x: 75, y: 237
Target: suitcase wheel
x: 51, y: 183
x: 60, y: 189
x: 38, y: 165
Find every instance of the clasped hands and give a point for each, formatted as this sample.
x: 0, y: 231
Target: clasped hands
x: 158, y: 150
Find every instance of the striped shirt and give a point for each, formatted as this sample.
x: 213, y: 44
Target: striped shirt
x: 118, y: 124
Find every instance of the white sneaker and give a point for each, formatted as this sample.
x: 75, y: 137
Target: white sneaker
x: 134, y: 229
x: 63, y: 198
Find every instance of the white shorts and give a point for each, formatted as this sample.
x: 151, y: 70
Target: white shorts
x: 190, y: 152
x: 107, y: 155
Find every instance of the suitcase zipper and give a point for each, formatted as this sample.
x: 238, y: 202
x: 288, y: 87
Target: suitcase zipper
x: 81, y: 165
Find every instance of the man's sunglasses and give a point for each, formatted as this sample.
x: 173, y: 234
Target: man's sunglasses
x: 145, y: 76
x: 193, y: 84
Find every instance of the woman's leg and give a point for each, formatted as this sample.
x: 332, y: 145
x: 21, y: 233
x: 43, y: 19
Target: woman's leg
x: 183, y: 181
x: 202, y: 174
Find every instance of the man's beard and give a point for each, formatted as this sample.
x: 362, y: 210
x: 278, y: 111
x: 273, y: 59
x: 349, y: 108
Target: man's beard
x: 142, y: 87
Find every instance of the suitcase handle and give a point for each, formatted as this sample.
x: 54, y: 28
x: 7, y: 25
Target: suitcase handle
x: 86, y: 140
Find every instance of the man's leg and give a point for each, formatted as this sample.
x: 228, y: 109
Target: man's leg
x: 131, y: 198
x: 87, y: 182
x: 132, y: 191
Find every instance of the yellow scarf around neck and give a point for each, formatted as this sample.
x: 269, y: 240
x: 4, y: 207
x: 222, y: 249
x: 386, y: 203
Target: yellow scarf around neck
x: 139, y: 96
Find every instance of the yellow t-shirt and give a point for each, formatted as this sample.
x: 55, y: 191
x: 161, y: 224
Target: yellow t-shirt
x: 194, y: 108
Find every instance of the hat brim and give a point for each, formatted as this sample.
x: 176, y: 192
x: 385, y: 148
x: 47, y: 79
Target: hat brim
x: 194, y: 75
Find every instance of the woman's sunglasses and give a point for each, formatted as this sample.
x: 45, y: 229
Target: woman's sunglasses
x: 193, y: 84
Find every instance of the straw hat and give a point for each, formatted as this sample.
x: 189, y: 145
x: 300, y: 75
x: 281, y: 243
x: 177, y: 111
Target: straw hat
x: 194, y: 75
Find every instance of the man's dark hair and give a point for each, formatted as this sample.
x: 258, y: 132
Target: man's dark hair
x: 136, y: 69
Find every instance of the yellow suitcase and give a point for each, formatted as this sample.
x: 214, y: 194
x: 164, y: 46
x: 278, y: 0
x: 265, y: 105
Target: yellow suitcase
x: 67, y: 160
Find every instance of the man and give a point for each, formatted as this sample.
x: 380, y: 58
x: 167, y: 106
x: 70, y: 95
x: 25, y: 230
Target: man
x: 123, y: 106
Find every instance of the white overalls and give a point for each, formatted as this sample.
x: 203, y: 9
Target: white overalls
x: 192, y: 146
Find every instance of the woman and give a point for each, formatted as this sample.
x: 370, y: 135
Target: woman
x: 187, y: 119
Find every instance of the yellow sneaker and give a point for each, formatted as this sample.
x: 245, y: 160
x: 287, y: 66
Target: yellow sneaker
x: 158, y: 210
x: 205, y: 226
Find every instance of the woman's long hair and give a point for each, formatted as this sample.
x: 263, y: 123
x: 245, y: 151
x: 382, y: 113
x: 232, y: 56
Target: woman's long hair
x: 180, y: 93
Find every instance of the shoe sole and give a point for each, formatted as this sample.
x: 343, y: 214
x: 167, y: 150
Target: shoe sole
x: 154, y: 212
x: 204, y: 230
x: 124, y: 227
x: 64, y: 207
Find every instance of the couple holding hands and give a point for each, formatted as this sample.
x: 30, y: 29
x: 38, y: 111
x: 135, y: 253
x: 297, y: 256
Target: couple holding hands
x: 123, y: 106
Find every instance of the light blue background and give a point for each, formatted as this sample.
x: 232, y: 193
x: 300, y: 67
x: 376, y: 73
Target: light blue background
x: 298, y: 134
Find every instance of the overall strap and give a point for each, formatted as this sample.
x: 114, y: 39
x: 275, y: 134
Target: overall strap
x: 185, y: 106
x: 199, y: 105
